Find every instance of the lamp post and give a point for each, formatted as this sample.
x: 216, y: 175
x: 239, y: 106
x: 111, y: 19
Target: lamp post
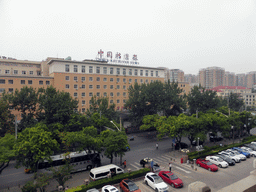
x: 115, y: 125
x: 232, y: 128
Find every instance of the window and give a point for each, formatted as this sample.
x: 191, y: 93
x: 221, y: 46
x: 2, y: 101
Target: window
x: 38, y: 73
x: 75, y: 78
x: 105, y: 94
x: 111, y: 94
x: 10, y: 81
x: 83, y: 110
x: 104, y: 86
x: 15, y: 71
x: 124, y: 87
x: 136, y: 72
x: 75, y: 68
x: 83, y: 102
x: 66, y: 68
x: 75, y: 86
x: 90, y: 69
x: 67, y: 86
x: 83, y: 94
x: 130, y: 80
x: 124, y: 94
x: 98, y: 86
x: 118, y: 86
x: 7, y: 71
x: 152, y: 81
x: 152, y: 73
x: 98, y: 79
x: 111, y: 86
x: 2, y: 81
x: 98, y: 94
x: 124, y: 80
x: 111, y: 101
x: 146, y: 73
x: 141, y: 72
x: 82, y: 79
x: 105, y: 70
x: 118, y: 94
x: 2, y: 90
x: 136, y: 80
x: 83, y: 87
x: 105, y: 79
x: 117, y: 101
x: 30, y: 82
x: 141, y: 80
x: 111, y: 79
x: 90, y: 78
x: 146, y: 80
x: 83, y: 69
x: 90, y: 94
x: 41, y: 82
x: 31, y: 72
x: 111, y: 70
x: 90, y: 86
x: 22, y: 82
x: 47, y: 82
x: 24, y: 72
x: 124, y: 101
x: 156, y: 73
x: 75, y: 94
x: 130, y: 71
x: 118, y: 71
x: 117, y: 79
x: 10, y: 89
x: 67, y: 78
x: 124, y: 71
x: 97, y: 69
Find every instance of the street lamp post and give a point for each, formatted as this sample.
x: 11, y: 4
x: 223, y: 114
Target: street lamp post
x: 232, y: 128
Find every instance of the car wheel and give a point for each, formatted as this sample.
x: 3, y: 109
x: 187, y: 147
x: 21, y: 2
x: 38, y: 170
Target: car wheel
x: 89, y: 167
x: 172, y: 185
x: 146, y: 182
x: 220, y: 165
x: 209, y: 169
x: 198, y: 165
x: 156, y: 190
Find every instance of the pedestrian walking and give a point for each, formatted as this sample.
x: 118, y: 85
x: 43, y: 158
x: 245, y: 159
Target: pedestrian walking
x: 156, y: 145
x: 124, y: 163
x: 170, y: 167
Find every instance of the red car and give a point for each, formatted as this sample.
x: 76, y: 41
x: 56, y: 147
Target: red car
x: 171, y: 179
x: 127, y: 185
x: 206, y: 164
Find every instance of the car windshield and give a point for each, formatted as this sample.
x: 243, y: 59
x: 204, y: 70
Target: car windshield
x: 249, y: 150
x: 133, y: 187
x: 220, y: 160
x: 173, y: 177
x: 237, y: 153
x: 209, y: 163
x: 157, y: 179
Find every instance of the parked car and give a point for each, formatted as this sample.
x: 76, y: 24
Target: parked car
x: 195, y: 142
x: 242, y: 157
x: 93, y: 190
x: 249, y: 150
x: 171, y: 179
x: 227, y: 159
x: 217, y: 161
x: 181, y: 146
x: 253, y: 147
x: 215, y: 138
x: 155, y: 182
x: 127, y: 185
x: 206, y: 164
x: 248, y: 155
x: 109, y: 188
x: 234, y: 157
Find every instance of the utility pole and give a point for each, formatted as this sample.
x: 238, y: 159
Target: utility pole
x: 16, y: 125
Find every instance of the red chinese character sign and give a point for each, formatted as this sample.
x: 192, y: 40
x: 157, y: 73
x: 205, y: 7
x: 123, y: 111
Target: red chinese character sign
x: 118, y: 55
x: 100, y: 52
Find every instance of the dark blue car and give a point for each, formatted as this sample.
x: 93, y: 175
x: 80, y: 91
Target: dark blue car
x: 248, y: 155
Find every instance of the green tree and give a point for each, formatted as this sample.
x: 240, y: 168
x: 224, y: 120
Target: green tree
x: 6, y: 120
x: 34, y: 144
x: 235, y: 103
x: 6, y: 150
x: 42, y: 180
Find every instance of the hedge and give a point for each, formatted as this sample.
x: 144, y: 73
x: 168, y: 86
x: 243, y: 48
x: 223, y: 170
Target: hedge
x: 215, y: 149
x: 110, y: 181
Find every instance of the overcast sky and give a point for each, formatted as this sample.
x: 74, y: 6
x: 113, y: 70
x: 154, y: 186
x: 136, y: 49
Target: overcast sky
x: 178, y: 34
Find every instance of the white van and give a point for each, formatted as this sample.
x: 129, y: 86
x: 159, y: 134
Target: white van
x: 104, y: 171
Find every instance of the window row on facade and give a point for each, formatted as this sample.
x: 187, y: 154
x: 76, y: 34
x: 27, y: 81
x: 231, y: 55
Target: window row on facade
x: 67, y: 86
x: 23, y: 82
x: 111, y: 70
x: 20, y: 72
x: 111, y: 94
x: 105, y: 79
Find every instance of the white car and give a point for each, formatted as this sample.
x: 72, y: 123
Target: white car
x: 217, y: 161
x: 249, y: 150
x: 232, y: 156
x: 109, y: 188
x: 242, y: 157
x: 156, y: 182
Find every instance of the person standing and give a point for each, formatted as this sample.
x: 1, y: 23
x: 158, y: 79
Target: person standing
x: 124, y: 164
x: 170, y: 167
x: 156, y: 145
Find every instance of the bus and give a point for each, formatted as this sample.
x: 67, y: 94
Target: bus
x: 80, y: 161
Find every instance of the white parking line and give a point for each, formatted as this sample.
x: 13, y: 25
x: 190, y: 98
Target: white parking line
x: 167, y: 158
x: 135, y: 166
x: 182, y: 169
x: 137, y: 163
